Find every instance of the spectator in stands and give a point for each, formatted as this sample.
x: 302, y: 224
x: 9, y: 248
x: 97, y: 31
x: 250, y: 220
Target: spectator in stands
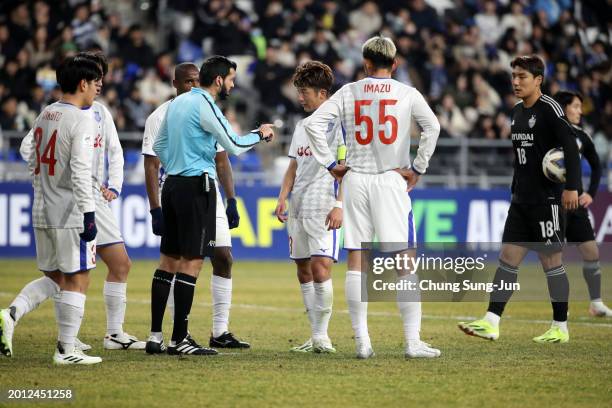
x: 83, y: 27
x: 462, y: 51
x: 488, y: 23
x: 136, y: 50
x: 38, y: 47
x: 9, y: 119
x: 451, y: 118
x: 137, y: 110
x: 366, y: 19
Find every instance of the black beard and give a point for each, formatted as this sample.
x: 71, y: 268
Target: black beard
x: 223, y: 93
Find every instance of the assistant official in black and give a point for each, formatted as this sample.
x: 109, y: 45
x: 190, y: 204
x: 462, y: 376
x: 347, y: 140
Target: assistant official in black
x: 536, y: 215
x: 579, y: 230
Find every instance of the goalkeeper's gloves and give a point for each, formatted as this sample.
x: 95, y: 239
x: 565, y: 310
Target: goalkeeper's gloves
x: 231, y: 211
x: 158, y: 221
x: 89, y: 227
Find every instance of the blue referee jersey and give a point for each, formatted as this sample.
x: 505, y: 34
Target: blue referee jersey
x: 186, y: 144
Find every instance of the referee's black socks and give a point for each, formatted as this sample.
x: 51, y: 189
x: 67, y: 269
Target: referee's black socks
x: 184, y: 287
x: 160, y: 289
x: 558, y: 288
x: 504, y: 275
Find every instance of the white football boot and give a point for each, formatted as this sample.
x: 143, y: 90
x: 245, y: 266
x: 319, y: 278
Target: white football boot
x: 420, y: 349
x: 76, y: 356
x: 123, y: 341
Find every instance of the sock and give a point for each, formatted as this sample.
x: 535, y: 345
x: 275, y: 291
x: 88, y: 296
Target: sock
x: 358, y: 310
x: 592, y: 276
x: 160, y: 288
x: 170, y: 302
x: 410, y: 312
x: 69, y: 310
x: 499, y: 298
x: 115, y: 299
x: 308, y: 297
x: 184, y: 288
x: 32, y: 295
x: 558, y: 288
x: 159, y: 336
x: 324, y: 299
x: 221, y: 289
x: 561, y: 325
x: 492, y: 318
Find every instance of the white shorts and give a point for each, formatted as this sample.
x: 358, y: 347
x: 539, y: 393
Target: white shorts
x: 377, y: 206
x: 108, y: 230
x: 223, y: 237
x: 309, y: 237
x: 62, y: 249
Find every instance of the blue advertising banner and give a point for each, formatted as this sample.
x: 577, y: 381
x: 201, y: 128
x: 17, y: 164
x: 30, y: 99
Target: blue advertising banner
x: 440, y: 215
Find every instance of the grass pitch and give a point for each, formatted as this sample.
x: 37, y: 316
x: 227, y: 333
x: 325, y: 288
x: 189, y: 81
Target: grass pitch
x: 268, y: 312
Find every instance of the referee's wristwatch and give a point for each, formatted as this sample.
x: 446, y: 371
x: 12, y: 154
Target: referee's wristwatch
x: 261, y: 136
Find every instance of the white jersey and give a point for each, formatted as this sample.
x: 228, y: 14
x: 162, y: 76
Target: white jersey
x: 152, y: 126
x: 376, y: 114
x: 61, y: 166
x: 105, y: 142
x: 151, y: 131
x: 314, y: 189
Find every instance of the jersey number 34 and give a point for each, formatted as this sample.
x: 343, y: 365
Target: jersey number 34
x: 48, y: 156
x: 369, y: 122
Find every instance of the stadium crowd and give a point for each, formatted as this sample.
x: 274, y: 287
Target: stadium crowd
x: 456, y: 53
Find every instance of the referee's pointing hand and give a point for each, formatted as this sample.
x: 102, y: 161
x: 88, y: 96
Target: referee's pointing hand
x: 267, y: 132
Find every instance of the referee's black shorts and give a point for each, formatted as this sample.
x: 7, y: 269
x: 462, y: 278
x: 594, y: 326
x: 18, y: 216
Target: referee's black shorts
x: 189, y: 207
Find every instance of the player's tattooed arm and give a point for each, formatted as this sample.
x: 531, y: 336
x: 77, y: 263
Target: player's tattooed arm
x: 286, y: 187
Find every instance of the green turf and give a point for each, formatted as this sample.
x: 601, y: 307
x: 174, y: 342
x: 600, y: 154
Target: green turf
x: 267, y: 311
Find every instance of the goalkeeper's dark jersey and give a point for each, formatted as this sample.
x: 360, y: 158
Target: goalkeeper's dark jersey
x: 587, y: 149
x: 535, y: 131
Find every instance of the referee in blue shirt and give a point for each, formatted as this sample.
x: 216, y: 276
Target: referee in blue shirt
x: 186, y: 147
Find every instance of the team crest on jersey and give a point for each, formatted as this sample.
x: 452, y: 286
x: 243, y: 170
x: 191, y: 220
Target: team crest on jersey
x: 532, y: 121
x: 512, y: 123
x: 97, y: 116
x: 330, y: 127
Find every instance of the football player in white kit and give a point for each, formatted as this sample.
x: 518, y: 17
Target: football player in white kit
x: 186, y: 76
x: 315, y: 213
x: 63, y: 212
x: 109, y: 242
x: 376, y: 113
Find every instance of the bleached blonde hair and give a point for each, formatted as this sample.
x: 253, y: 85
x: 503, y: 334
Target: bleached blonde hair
x: 380, y: 51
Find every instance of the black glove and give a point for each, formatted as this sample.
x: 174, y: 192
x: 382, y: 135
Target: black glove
x: 158, y: 221
x: 231, y: 211
x: 89, y: 227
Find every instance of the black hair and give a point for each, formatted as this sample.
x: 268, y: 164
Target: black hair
x: 213, y: 67
x: 565, y: 98
x: 75, y: 69
x: 530, y: 63
x: 97, y: 57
